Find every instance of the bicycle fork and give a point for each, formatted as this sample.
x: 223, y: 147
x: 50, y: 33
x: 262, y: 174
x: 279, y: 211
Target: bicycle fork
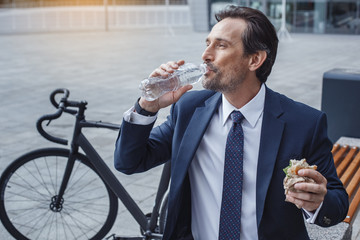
x: 57, y: 201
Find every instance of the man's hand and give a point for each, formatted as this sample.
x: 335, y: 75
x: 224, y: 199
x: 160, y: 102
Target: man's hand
x: 310, y: 195
x: 169, y: 98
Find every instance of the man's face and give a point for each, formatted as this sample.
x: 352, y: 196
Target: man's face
x: 224, y: 54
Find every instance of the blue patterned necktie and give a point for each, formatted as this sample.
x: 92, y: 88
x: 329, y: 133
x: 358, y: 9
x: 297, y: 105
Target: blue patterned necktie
x: 230, y: 214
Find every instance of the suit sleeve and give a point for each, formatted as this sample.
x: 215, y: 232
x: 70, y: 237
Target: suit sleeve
x: 140, y: 147
x: 335, y: 204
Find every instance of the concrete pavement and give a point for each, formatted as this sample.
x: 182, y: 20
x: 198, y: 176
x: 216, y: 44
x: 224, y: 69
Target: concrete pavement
x: 105, y: 68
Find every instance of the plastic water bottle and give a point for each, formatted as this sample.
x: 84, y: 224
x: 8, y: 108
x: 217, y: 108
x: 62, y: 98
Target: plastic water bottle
x: 154, y: 87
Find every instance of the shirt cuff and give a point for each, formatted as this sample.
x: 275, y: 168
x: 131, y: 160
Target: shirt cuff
x: 311, y: 217
x: 133, y: 117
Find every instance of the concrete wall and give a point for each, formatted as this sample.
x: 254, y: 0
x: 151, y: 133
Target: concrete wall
x: 47, y: 19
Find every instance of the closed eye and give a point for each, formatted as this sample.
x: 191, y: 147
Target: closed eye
x: 218, y: 44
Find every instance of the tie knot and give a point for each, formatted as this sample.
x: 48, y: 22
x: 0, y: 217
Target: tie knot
x: 237, y: 116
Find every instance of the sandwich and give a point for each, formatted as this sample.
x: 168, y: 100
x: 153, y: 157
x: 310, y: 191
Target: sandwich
x: 292, y: 176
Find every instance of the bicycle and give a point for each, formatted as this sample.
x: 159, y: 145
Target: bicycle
x: 58, y: 193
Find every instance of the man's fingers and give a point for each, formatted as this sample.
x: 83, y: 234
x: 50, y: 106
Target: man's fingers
x: 311, y: 187
x: 166, y: 68
x: 300, y: 203
x: 309, y: 195
x: 159, y: 73
x: 313, y: 174
x: 308, y: 201
x: 184, y: 89
x: 318, y: 187
x: 172, y: 65
x: 180, y: 62
x: 306, y: 196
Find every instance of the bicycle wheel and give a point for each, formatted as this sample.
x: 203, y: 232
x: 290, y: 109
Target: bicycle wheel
x: 29, y: 187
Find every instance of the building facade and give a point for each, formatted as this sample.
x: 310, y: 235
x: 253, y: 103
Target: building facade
x: 303, y: 16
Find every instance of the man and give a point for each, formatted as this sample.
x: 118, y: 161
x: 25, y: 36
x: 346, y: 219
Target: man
x: 241, y: 50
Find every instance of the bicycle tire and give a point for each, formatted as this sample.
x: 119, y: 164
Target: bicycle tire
x: 28, y: 184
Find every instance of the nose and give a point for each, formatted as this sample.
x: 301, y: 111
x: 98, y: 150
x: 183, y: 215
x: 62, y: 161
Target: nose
x: 208, y: 55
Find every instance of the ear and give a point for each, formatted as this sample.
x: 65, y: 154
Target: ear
x: 256, y: 60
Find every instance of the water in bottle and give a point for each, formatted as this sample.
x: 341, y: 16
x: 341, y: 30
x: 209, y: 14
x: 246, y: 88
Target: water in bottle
x: 154, y: 87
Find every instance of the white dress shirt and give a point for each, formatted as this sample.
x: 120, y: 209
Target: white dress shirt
x: 206, y: 170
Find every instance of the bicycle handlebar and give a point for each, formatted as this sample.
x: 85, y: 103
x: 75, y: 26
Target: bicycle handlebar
x: 56, y: 91
x: 63, y: 99
x: 61, y: 106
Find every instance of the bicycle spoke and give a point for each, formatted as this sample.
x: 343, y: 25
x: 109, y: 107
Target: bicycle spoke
x: 29, y: 225
x: 83, y: 192
x: 86, y: 202
x: 77, y: 222
x: 26, y: 214
x: 82, y: 188
x: 87, y: 216
x: 41, y: 228
x: 24, y: 211
x: 87, y: 212
x: 30, y: 186
x: 53, y: 216
x: 27, y: 197
x: 42, y: 179
x: 51, y: 179
x: 73, y: 182
x: 67, y: 225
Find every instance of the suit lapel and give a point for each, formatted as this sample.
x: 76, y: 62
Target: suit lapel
x: 271, y: 134
x: 194, y: 133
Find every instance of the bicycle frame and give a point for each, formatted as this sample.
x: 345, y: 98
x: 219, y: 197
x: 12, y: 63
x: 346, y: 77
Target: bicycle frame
x: 79, y: 140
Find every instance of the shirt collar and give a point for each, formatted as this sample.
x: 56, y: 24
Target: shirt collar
x: 251, y: 111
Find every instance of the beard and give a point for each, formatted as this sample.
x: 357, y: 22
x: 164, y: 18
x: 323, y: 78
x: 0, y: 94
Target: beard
x: 224, y: 82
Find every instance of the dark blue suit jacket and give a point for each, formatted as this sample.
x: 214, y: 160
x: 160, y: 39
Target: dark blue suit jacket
x: 290, y: 130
